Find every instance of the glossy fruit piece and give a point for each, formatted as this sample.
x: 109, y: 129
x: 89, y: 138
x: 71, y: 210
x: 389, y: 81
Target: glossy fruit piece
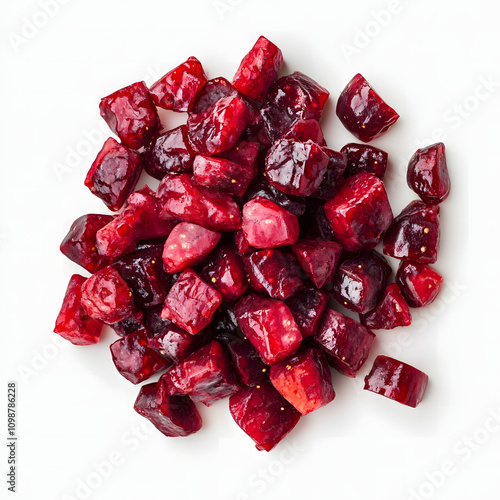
x: 263, y: 414
x: 247, y: 363
x: 174, y: 416
x: 332, y: 179
x: 79, y: 245
x: 114, y: 174
x: 419, y: 283
x: 184, y: 199
x: 270, y: 327
x: 365, y: 158
x: 391, y: 312
x: 306, y: 130
x: 242, y: 243
x: 304, y: 381
x: 132, y: 324
x: 296, y: 167
x: 191, y: 303
x: 274, y: 272
x: 135, y: 360
x: 243, y: 153
x: 131, y: 115
x: 178, y: 88
x: 414, y: 234
x: 360, y: 213
x: 428, y: 174
x: 213, y: 91
x: 318, y: 258
x: 363, y: 112
x: 267, y: 225
x: 187, y: 245
x: 307, y: 307
x: 73, y: 323
x: 346, y: 342
x: 396, y: 380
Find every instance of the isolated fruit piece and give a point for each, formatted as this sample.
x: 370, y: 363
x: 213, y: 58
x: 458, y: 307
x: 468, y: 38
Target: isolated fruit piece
x: 428, y: 174
x: 174, y: 416
x: 243, y: 153
x: 114, y: 174
x: 267, y: 225
x: 270, y: 327
x: 131, y: 115
x: 263, y: 414
x: 396, y: 380
x: 248, y: 364
x: 360, y: 213
x: 178, y: 88
x: 307, y: 306
x: 191, y: 303
x: 332, y: 179
x: 419, y: 284
x: 73, y: 322
x: 306, y: 130
x: 79, y: 245
x: 187, y: 245
x: 414, y: 234
x: 363, y: 112
x: 392, y: 311
x: 364, y: 158
x: 346, y: 342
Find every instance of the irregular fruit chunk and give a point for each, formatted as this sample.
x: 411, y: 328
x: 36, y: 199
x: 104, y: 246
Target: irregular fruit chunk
x: 306, y: 130
x: 332, y: 179
x: 364, y: 158
x: 243, y: 153
x: 250, y: 368
x: 419, y: 284
x: 242, y: 243
x: 314, y: 222
x: 307, y: 306
x: 132, y: 324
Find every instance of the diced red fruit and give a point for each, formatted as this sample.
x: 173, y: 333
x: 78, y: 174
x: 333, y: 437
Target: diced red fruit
x: 414, y: 234
x: 191, y: 303
x: 73, y: 323
x: 396, y: 380
x: 428, y: 174
x: 174, y: 416
x: 360, y: 213
x: 363, y: 112
x: 213, y: 91
x: 178, y: 88
x: 419, y: 283
x: 304, y: 381
x: 267, y: 225
x: 131, y: 115
x: 346, y: 342
x: 225, y: 325
x: 242, y: 243
x: 365, y: 158
x: 270, y: 327
x: 135, y: 360
x: 391, y: 312
x: 187, y: 245
x: 307, y: 307
x: 133, y: 324
x: 114, y: 174
x: 106, y: 297
x: 332, y: 179
x: 79, y: 245
x: 306, y: 130
x: 243, y: 153
x: 248, y: 364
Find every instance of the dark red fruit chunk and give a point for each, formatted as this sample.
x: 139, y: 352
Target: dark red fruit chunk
x: 178, y: 88
x: 346, y: 342
x: 419, y: 284
x: 307, y: 307
x: 428, y: 174
x: 191, y: 303
x: 332, y: 179
x: 396, y: 380
x: 174, y: 416
x: 225, y: 325
x: 392, y: 311
x: 114, y: 174
x: 79, y: 245
x: 363, y: 112
x: 213, y: 91
x: 415, y: 234
x: 306, y: 130
x: 364, y: 158
x: 360, y: 213
x: 133, y: 324
x: 267, y: 225
x: 304, y: 381
x: 131, y: 115
x: 243, y: 153
x: 135, y: 360
x: 204, y: 376
x: 73, y: 322
x: 248, y: 364
x: 273, y: 272
x: 187, y: 245
x: 106, y: 297
x: 242, y: 243
x: 318, y: 258
x: 314, y: 223
x: 263, y: 414
x: 270, y: 327
x: 296, y: 167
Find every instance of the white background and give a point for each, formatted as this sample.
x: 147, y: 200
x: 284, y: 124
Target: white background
x: 78, y: 434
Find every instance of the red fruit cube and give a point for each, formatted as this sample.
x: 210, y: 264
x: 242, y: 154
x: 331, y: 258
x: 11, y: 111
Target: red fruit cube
x: 248, y: 364
x: 243, y: 153
x: 332, y: 179
x: 306, y: 130
x: 364, y: 158
x: 396, y: 380
x: 73, y: 322
x: 307, y: 306
x: 419, y: 284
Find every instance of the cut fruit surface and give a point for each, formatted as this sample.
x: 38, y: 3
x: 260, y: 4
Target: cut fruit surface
x: 419, y: 284
x: 365, y: 158
x: 307, y: 306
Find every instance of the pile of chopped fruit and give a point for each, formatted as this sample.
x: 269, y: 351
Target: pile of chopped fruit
x: 225, y: 279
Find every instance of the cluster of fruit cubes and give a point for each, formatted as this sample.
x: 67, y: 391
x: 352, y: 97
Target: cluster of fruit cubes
x: 225, y: 278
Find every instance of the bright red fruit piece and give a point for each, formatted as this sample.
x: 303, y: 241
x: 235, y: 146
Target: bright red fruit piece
x: 306, y: 130
x: 363, y: 112
x: 243, y: 153
x: 332, y: 179
x: 396, y: 380
x: 248, y: 364
x: 419, y: 283
x: 307, y: 306
x: 365, y: 158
